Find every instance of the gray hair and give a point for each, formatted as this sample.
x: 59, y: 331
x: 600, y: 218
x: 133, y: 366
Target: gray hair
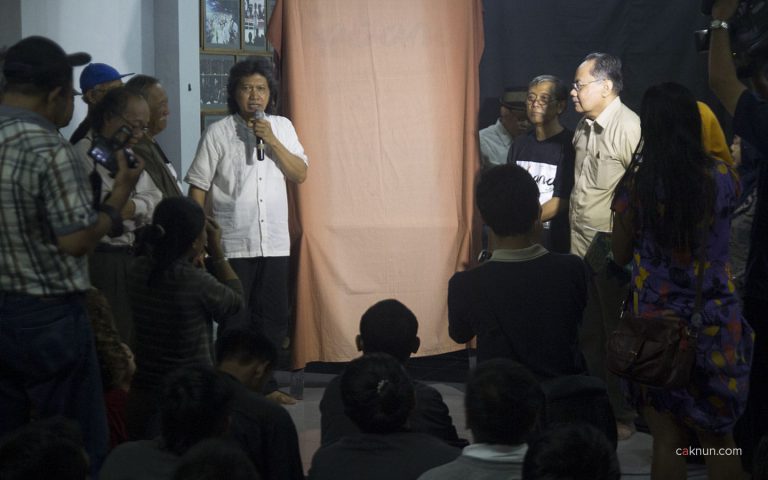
x: 560, y: 88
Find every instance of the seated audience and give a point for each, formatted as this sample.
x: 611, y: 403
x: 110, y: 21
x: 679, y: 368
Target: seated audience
x: 571, y: 452
x: 389, y: 327
x: 116, y: 362
x: 503, y: 404
x: 37, y: 450
x: 175, y: 302
x: 525, y: 303
x: 195, y: 404
x: 216, y: 459
x: 378, y: 396
x: 262, y: 427
x: 122, y: 113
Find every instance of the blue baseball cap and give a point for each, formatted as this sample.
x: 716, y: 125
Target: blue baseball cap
x: 98, y: 73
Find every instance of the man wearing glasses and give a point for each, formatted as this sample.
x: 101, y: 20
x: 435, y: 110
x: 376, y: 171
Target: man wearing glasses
x: 605, y: 139
x: 547, y: 153
x: 95, y: 81
x: 496, y: 139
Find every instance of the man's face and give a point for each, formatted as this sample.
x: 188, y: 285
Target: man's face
x: 135, y: 117
x: 158, y: 109
x: 541, y: 105
x: 589, y: 95
x: 252, y: 94
x: 64, y: 107
x: 514, y: 120
x: 94, y: 95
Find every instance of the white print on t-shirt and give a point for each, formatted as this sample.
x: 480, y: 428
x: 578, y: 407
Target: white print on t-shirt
x: 544, y: 175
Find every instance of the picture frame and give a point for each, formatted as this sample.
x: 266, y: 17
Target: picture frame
x: 220, y: 27
x: 214, y: 74
x: 207, y: 118
x: 270, y: 8
x: 255, y: 25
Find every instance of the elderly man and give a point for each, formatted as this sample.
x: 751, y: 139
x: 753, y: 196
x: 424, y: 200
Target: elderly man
x: 605, y: 140
x: 496, y: 139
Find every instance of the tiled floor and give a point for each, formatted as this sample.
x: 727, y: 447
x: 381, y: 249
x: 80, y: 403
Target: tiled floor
x: 634, y: 454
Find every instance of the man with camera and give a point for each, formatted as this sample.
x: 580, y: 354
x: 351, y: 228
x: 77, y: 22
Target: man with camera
x: 48, y: 224
x: 750, y: 122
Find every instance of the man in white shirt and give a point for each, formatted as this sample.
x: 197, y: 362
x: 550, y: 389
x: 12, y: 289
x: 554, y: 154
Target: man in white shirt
x: 513, y: 121
x: 604, y: 140
x: 247, y: 195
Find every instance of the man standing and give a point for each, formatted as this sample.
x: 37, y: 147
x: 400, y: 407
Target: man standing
x: 547, y: 153
x: 47, y: 226
x: 605, y: 140
x: 241, y: 165
x: 750, y: 122
x: 95, y: 80
x: 159, y: 168
x: 496, y: 139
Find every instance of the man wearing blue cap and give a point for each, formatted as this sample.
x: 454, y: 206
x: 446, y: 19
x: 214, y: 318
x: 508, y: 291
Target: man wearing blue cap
x: 95, y: 80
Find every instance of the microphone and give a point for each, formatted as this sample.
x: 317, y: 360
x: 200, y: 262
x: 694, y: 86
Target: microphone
x: 259, y: 115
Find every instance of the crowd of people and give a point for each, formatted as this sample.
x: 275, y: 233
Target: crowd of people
x: 112, y: 282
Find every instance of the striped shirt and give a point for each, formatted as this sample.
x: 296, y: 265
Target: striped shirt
x: 173, y: 317
x: 44, y: 194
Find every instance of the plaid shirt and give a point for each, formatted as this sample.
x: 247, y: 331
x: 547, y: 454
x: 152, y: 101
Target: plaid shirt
x: 44, y: 193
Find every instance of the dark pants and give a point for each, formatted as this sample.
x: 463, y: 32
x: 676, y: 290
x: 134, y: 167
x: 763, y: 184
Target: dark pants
x: 108, y: 268
x: 48, y: 366
x: 265, y: 295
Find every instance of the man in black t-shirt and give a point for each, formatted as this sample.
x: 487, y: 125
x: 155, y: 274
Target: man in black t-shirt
x: 547, y: 153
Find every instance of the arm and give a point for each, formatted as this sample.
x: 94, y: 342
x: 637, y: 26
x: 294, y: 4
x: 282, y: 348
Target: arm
x: 459, y: 325
x: 552, y: 207
x: 622, y: 237
x: 292, y: 166
x: 83, y: 241
x: 145, y: 198
x: 722, y: 73
x: 198, y: 195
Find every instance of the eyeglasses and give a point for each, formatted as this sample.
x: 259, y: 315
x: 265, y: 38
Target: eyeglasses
x: 136, y: 128
x: 541, y: 99
x: 578, y: 86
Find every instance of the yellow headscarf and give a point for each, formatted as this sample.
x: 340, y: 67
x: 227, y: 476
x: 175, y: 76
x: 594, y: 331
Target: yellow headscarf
x: 712, y: 136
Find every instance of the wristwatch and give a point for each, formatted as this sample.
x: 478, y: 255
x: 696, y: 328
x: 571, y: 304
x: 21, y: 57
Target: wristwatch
x: 715, y: 24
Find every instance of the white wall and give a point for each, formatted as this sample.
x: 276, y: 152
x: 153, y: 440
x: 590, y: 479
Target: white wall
x: 154, y: 37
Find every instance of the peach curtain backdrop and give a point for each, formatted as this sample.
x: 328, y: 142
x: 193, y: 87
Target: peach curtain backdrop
x: 384, y: 96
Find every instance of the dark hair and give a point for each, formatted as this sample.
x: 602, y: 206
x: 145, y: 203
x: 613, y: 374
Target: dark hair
x: 114, y: 103
x: 607, y: 67
x: 671, y: 189
x: 216, y: 459
x: 503, y: 402
x: 575, y: 452
x: 141, y: 83
x: 37, y: 450
x: 176, y: 223
x: 508, y: 199
x: 245, y: 345
x: 377, y: 393
x: 389, y: 327
x: 246, y: 68
x: 559, y: 88
x: 195, y: 403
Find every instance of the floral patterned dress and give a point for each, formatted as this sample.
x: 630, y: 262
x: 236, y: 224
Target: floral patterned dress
x: 717, y: 394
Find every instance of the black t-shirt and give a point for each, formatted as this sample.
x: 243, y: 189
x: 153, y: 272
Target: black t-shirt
x: 750, y: 122
x: 551, y: 164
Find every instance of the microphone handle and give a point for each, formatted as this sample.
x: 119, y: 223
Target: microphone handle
x: 259, y: 148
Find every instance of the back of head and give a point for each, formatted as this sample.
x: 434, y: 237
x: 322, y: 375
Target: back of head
x: 607, y: 67
x: 674, y: 168
x: 195, y: 404
x: 503, y: 402
x: 389, y: 327
x: 508, y: 200
x: 36, y: 65
x: 571, y: 452
x: 252, y: 66
x: 216, y: 459
x: 114, y: 103
x: 377, y: 393
x: 244, y: 345
x: 141, y: 83
x: 176, y: 223
x: 38, y: 449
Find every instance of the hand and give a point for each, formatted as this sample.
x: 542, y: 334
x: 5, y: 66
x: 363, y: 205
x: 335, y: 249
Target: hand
x: 724, y: 9
x: 263, y: 129
x: 126, y: 177
x: 213, y: 238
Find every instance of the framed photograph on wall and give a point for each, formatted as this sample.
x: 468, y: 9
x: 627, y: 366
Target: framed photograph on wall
x: 209, y: 117
x: 214, y: 73
x: 270, y: 8
x: 254, y: 24
x: 220, y: 24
